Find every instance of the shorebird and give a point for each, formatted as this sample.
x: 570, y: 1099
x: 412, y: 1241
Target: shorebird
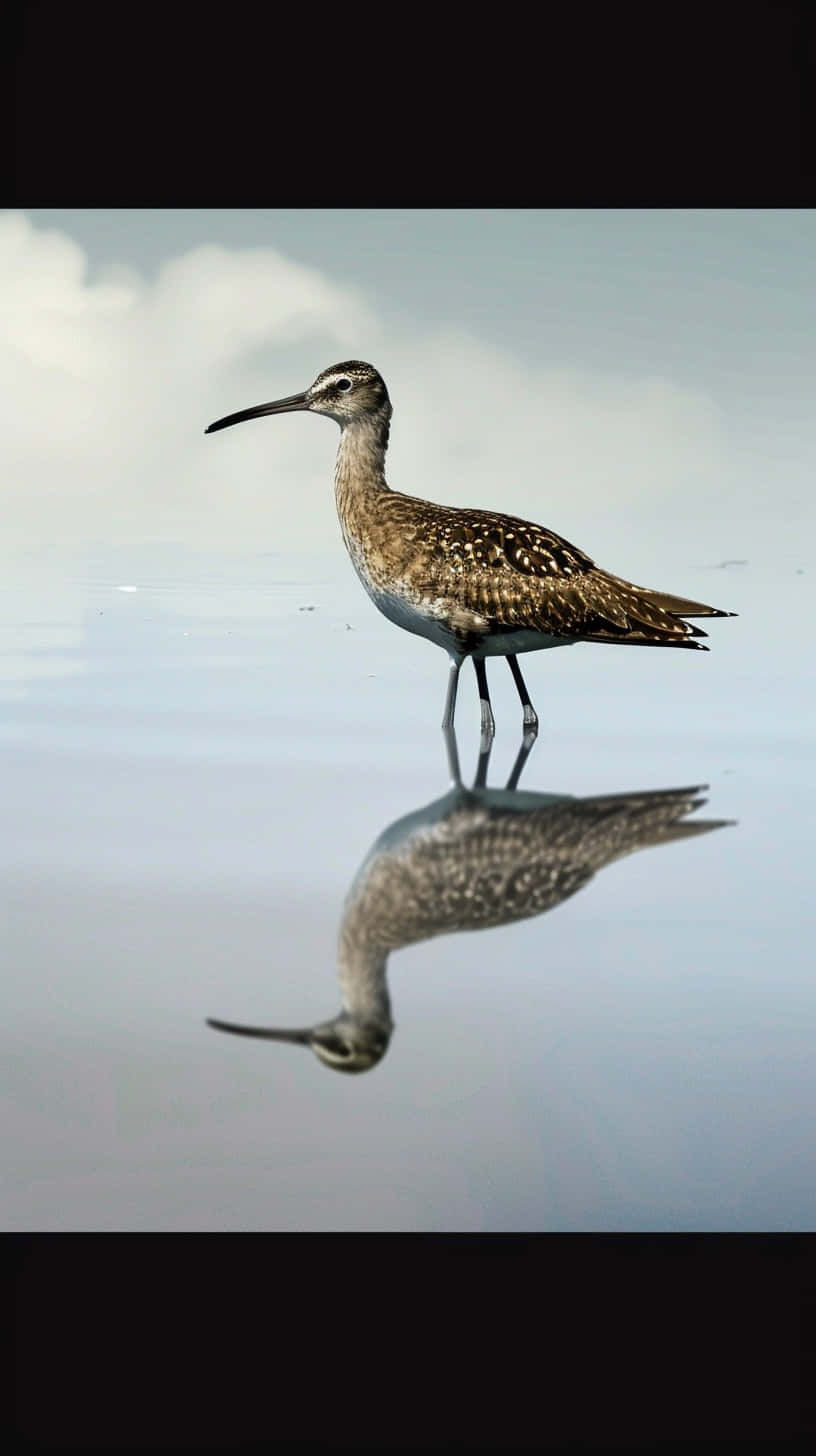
x: 470, y: 861
x: 474, y: 859
x: 476, y: 582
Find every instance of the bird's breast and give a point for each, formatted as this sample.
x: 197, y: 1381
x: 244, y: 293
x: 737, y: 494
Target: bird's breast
x: 445, y: 624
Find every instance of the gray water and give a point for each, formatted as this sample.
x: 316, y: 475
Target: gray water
x: 194, y: 771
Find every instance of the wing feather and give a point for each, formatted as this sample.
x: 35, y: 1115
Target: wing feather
x: 515, y: 574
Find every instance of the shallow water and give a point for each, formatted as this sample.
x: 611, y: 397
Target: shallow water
x: 195, y: 770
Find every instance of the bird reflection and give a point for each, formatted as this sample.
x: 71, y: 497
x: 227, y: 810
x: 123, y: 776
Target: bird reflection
x: 473, y: 859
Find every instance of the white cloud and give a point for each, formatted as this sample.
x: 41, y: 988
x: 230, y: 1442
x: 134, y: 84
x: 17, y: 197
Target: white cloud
x: 108, y: 385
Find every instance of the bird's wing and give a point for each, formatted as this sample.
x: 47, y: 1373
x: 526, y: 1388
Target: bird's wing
x: 559, y: 585
x: 505, y: 541
x: 514, y: 574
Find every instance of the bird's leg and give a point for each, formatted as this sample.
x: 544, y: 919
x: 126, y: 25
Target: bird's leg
x: 453, y: 755
x: 480, y: 781
x: 447, y: 721
x: 450, y: 700
x: 521, y: 758
x: 488, y: 724
x: 530, y: 726
x: 530, y: 714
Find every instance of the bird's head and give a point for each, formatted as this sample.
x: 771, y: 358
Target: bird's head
x: 345, y: 392
x: 346, y: 1043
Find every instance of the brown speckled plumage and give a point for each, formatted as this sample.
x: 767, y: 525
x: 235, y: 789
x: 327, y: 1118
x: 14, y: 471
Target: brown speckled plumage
x: 485, y: 863
x: 471, y: 861
x: 476, y: 582
x: 489, y: 573
x: 485, y: 572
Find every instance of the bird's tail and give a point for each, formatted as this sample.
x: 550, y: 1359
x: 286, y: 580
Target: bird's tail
x: 681, y: 606
x: 619, y: 611
x: 656, y: 816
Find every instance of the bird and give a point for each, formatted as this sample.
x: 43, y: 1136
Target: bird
x: 470, y: 860
x: 478, y: 583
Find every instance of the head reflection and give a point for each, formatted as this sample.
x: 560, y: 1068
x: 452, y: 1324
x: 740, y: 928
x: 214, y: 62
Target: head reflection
x: 474, y: 859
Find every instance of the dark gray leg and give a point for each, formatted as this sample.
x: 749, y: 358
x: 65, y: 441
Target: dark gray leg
x: 530, y: 714
x: 453, y: 755
x: 485, y: 750
x: 530, y: 728
x: 521, y: 758
x: 488, y: 724
x: 450, y: 700
x: 447, y: 721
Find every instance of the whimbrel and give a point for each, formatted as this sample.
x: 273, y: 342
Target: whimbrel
x: 474, y: 859
x: 475, y: 582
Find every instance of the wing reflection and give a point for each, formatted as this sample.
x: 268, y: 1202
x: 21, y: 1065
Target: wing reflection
x: 474, y: 859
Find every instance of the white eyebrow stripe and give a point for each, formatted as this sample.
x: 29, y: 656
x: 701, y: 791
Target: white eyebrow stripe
x: 335, y: 378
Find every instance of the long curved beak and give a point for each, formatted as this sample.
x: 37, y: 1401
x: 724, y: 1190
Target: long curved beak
x: 270, y: 1033
x: 277, y: 407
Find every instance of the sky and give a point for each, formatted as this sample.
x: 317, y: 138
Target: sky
x: 640, y: 381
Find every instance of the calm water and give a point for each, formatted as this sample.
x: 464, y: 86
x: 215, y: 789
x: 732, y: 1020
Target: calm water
x: 195, y: 769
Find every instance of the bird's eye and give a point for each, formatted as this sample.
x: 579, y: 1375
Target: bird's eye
x: 344, y: 384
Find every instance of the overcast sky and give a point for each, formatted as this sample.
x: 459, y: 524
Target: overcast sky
x: 606, y: 373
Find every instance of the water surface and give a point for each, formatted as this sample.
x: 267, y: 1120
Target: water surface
x: 199, y: 753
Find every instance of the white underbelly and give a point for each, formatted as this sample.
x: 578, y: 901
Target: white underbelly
x: 502, y: 644
x: 414, y: 619
x: 431, y: 622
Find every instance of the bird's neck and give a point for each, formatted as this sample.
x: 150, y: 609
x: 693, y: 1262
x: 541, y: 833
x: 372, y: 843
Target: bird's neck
x: 359, y: 473
x: 363, y: 984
